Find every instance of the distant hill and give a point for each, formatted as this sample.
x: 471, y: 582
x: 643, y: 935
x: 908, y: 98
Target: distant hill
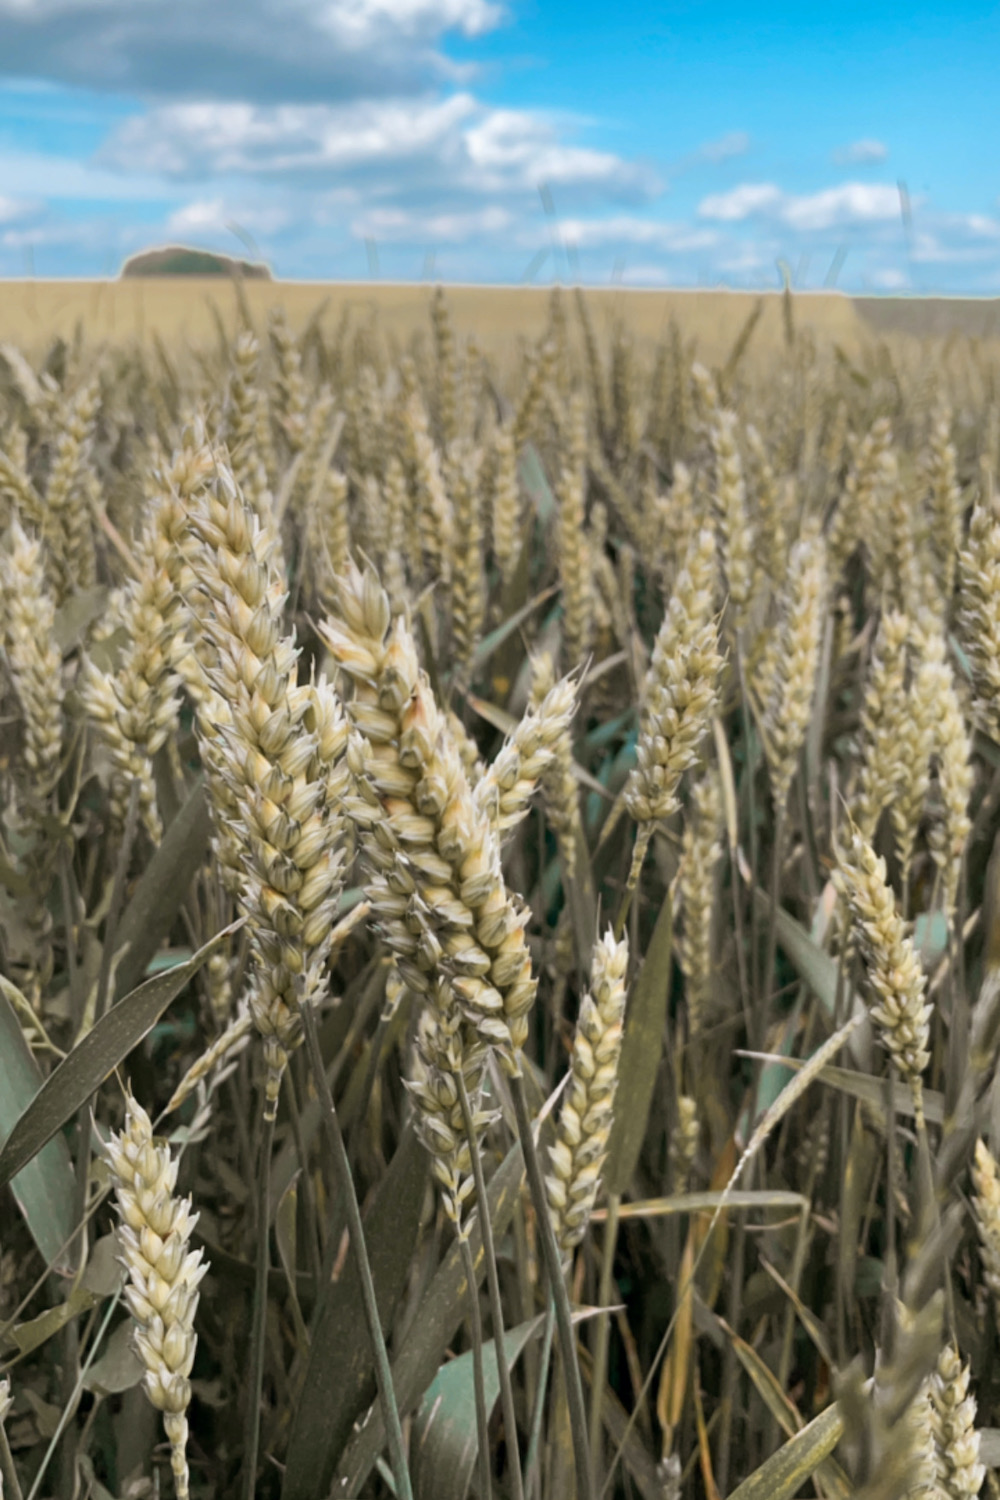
x: 179, y: 260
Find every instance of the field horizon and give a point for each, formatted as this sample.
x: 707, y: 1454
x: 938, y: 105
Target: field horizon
x: 179, y: 310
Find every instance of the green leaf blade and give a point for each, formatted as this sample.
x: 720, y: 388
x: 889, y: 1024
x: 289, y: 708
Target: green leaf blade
x: 83, y: 1071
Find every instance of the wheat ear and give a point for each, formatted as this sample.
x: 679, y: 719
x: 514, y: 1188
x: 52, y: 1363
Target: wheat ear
x: 164, y: 1275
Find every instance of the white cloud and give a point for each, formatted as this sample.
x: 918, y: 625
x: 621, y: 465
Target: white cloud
x: 390, y: 224
x: 12, y: 209
x: 849, y: 203
x: 253, y: 49
x: 741, y: 202
x: 449, y: 146
x: 217, y: 216
x: 218, y: 136
x: 511, y: 144
x: 623, y: 229
x: 889, y: 279
x: 861, y: 152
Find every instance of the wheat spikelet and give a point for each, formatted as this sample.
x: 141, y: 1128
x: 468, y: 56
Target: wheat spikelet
x: 944, y: 501
x: 559, y: 789
x: 595, y: 375
x: 434, y: 516
x: 506, y: 504
x: 679, y: 523
x: 959, y: 1474
x: 367, y: 409
x: 575, y: 573
x: 789, y: 709
x: 701, y: 850
x: 979, y: 609
x: 34, y: 660
x: 507, y: 786
x: 281, y: 761
x: 883, y: 718
x: 467, y: 749
x: 164, y: 1275
x: 736, y: 538
x: 241, y: 422
x: 442, y: 1051
x: 986, y: 1180
x: 16, y: 488
x: 67, y: 529
x: 439, y: 891
x: 860, y: 496
x: 468, y: 594
x: 231, y: 1042
x: 293, y: 397
x: 684, y: 1141
x: 445, y: 372
x: 897, y: 985
x: 952, y: 755
x: 136, y: 706
x: 919, y: 740
x: 895, y: 563
x: 328, y: 520
x: 770, y: 534
x: 833, y: 445
x: 679, y: 695
x: 313, y: 456
x: 396, y: 500
x: 585, y: 1117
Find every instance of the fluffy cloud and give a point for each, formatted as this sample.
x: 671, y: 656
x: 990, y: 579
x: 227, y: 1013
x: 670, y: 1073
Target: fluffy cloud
x: 623, y: 230
x: 214, y: 217
x: 741, y: 202
x: 396, y: 225
x: 12, y: 209
x: 208, y: 138
x: 451, y: 146
x: 837, y: 207
x: 861, y: 152
x: 244, y: 49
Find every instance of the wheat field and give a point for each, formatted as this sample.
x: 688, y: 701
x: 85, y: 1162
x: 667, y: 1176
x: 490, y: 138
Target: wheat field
x: 499, y: 931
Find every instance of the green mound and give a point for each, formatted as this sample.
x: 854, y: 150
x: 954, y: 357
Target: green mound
x: 178, y: 260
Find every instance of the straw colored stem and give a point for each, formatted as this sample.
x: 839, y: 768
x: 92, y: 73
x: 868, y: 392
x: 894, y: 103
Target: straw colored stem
x: 553, y: 1269
x: 258, y: 1330
x: 493, y: 1285
x: 535, y: 1438
x: 476, y: 1331
x: 603, y: 1330
x: 342, y: 1168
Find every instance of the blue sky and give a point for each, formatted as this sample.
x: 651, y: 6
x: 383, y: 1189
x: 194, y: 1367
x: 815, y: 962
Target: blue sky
x: 474, y: 140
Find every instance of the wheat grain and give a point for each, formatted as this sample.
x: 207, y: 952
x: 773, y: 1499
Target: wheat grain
x: 960, y: 1474
x: 896, y: 982
x: 164, y: 1275
x: 586, y: 1114
x: 701, y: 850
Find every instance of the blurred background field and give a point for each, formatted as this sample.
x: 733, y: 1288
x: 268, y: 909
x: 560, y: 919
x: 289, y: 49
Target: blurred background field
x: 504, y: 319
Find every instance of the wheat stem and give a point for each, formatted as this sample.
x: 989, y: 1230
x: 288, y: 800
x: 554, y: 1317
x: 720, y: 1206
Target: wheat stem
x: 258, y: 1330
x: 553, y: 1269
x: 342, y: 1167
x: 476, y: 1332
x: 538, y: 1412
x: 493, y: 1284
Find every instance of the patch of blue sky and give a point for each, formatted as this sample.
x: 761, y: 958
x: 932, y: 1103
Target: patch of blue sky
x: 684, y: 143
